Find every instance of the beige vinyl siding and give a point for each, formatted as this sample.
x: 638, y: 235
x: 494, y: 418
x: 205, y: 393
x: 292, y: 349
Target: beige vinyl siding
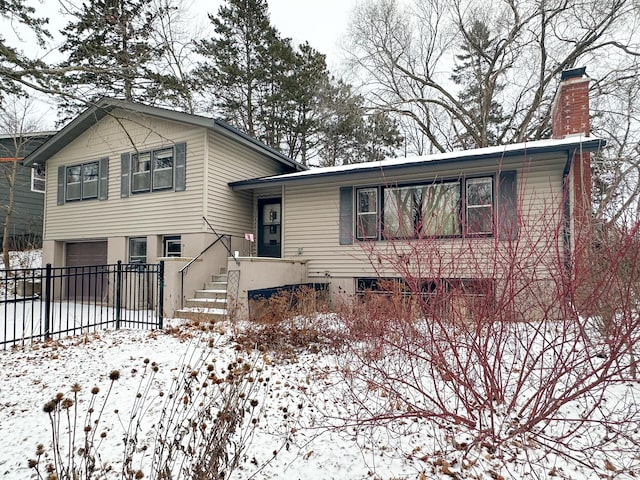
x: 311, y: 219
x: 232, y: 212
x: 140, y: 214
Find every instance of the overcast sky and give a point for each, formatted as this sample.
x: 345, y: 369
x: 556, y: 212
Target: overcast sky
x: 322, y: 23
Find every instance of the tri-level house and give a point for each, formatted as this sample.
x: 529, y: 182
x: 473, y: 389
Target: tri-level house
x: 136, y: 183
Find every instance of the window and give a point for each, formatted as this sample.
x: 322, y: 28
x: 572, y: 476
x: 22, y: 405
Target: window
x: 480, y: 205
x: 151, y: 171
x: 138, y: 250
x: 172, y: 246
x: 440, y: 212
x: 81, y: 181
x: 455, y: 298
x: 367, y: 213
x: 426, y: 210
x: 422, y: 210
x: 141, y: 172
x: 37, y: 178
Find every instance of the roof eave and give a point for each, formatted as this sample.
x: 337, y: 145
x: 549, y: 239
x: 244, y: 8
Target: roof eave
x: 273, y: 181
x: 103, y: 107
x: 69, y: 133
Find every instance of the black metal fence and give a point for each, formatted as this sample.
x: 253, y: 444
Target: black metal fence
x: 41, y: 303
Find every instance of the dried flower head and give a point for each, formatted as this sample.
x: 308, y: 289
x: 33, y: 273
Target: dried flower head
x: 75, y: 388
x: 114, y: 375
x: 33, y: 463
x: 49, y: 407
x: 95, y: 390
x: 67, y: 403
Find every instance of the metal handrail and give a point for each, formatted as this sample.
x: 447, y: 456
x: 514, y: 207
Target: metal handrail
x: 200, y: 254
x: 219, y: 236
x: 186, y: 267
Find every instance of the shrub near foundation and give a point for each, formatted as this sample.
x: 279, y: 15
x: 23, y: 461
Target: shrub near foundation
x: 508, y: 367
x: 286, y: 322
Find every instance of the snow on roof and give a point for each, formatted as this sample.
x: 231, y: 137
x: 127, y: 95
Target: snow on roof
x: 537, y: 146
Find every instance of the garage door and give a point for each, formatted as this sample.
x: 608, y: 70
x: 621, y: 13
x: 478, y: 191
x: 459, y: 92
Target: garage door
x: 86, y: 253
x: 87, y: 282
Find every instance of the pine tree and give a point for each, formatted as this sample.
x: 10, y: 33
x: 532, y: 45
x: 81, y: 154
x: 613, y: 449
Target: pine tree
x: 350, y: 134
x: 16, y: 68
x: 110, y: 53
x: 238, y: 62
x: 475, y: 72
x: 309, y: 79
x: 283, y: 95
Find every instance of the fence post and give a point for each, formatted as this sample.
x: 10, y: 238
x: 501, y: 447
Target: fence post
x: 47, y: 302
x: 160, y: 293
x: 118, y: 292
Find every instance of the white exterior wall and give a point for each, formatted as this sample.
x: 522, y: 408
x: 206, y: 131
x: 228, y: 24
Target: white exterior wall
x: 154, y: 213
x: 312, y: 232
x: 232, y: 212
x: 210, y: 157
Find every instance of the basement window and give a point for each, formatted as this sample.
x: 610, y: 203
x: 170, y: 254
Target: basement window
x: 172, y: 246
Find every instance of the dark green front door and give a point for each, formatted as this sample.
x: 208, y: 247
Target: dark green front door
x: 270, y: 227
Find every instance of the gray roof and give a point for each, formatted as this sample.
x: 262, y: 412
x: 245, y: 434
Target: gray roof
x: 45, y: 133
x: 391, y: 165
x: 105, y: 106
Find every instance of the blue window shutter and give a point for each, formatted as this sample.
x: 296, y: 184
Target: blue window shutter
x: 103, y: 187
x: 508, y: 206
x: 61, y: 174
x: 181, y: 167
x: 125, y: 168
x: 346, y: 215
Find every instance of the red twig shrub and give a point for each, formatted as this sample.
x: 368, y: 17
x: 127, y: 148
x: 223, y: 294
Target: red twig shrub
x: 525, y: 341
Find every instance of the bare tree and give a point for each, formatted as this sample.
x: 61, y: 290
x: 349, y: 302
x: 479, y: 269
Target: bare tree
x: 15, y: 123
x: 405, y: 54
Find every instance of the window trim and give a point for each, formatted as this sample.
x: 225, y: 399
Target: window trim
x: 443, y: 293
x: 131, y: 242
x: 170, y: 239
x: 81, y: 196
x: 376, y: 213
x: 491, y: 205
x: 151, y: 172
x: 35, y: 178
x: 461, y: 210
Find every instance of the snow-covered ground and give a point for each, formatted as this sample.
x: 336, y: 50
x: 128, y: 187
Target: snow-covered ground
x: 301, y: 427
x: 26, y: 259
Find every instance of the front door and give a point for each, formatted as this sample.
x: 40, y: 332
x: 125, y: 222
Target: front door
x: 270, y: 227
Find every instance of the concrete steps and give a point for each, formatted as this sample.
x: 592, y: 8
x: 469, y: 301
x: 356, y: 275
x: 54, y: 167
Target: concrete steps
x: 210, y: 303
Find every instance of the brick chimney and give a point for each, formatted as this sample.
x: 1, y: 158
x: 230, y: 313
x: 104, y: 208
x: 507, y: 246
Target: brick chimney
x: 570, y: 113
x: 570, y: 117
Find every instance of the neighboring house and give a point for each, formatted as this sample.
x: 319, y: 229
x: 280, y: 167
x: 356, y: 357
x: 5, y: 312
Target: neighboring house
x: 133, y: 183
x: 25, y: 225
